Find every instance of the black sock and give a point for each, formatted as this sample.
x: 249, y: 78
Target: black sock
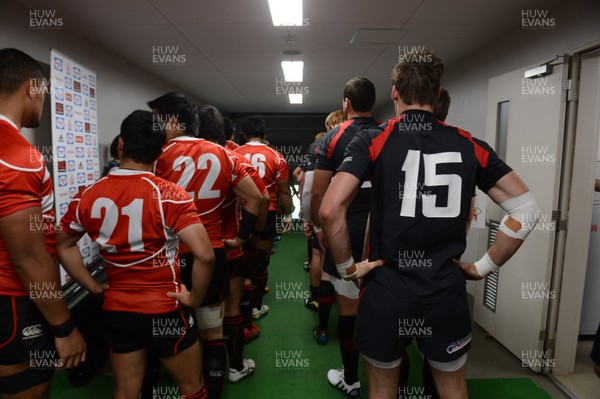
x: 233, y: 332
x: 309, y: 249
x: 247, y: 300
x: 215, y: 362
x: 314, y: 292
x: 347, y: 348
x: 260, y: 282
x: 404, y: 371
x: 428, y: 383
x: 325, y: 298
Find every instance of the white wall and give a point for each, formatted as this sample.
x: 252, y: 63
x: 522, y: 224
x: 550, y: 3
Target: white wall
x: 122, y: 86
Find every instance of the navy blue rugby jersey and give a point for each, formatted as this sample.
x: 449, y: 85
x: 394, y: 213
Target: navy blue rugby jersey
x: 330, y: 154
x: 424, y: 174
x: 311, y: 157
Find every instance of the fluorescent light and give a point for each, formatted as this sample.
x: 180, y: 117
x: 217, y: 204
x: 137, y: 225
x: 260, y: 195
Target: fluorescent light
x: 295, y: 98
x: 292, y: 70
x: 286, y: 12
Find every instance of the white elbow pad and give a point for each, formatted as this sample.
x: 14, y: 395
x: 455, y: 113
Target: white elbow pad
x: 523, y: 213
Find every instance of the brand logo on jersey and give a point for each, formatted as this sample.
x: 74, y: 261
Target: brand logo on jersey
x: 32, y: 331
x: 80, y: 178
x: 458, y: 345
x: 347, y: 159
x: 61, y: 151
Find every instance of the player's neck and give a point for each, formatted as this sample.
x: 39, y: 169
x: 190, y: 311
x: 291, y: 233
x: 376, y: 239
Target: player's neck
x: 400, y: 108
x: 129, y: 164
x: 354, y: 114
x: 12, y: 112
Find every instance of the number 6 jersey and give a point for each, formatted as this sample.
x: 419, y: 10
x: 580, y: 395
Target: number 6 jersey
x: 424, y: 174
x: 134, y: 217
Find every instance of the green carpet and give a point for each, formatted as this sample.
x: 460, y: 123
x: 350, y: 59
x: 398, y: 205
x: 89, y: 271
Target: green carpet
x: 289, y: 363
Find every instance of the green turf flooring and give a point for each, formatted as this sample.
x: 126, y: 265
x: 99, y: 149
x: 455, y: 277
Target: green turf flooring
x: 289, y: 363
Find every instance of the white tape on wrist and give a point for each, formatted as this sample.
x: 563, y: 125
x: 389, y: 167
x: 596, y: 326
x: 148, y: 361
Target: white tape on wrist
x: 317, y: 229
x: 341, y: 268
x: 485, y: 265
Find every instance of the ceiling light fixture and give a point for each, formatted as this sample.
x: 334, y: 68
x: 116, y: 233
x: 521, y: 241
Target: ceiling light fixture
x: 295, y: 98
x: 286, y: 12
x: 292, y: 70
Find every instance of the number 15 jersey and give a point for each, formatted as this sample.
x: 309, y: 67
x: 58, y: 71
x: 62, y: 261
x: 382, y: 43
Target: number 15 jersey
x: 424, y: 175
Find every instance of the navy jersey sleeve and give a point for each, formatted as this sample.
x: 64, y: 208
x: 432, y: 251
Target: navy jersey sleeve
x: 357, y: 158
x: 493, y: 170
x: 325, y: 151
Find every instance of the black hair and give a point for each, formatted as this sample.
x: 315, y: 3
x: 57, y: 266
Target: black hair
x: 142, y: 137
x: 253, y: 127
x: 229, y: 127
x: 442, y: 105
x: 176, y: 105
x: 16, y: 68
x: 114, y: 148
x: 211, y: 125
x: 361, y: 93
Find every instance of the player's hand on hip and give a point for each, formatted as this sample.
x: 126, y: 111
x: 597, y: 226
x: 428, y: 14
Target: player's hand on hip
x: 99, y: 289
x: 71, y: 349
x: 234, y: 242
x: 185, y: 297
x: 468, y: 269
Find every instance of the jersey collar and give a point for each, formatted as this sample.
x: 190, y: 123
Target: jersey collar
x: 257, y: 143
x: 4, y: 118
x: 185, y: 138
x: 128, y: 172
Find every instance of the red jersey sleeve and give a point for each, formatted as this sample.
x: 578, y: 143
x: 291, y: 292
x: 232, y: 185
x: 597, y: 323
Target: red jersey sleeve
x: 282, y: 169
x: 178, y: 207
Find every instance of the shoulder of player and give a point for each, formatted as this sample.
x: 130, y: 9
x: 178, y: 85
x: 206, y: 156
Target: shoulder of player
x: 20, y: 156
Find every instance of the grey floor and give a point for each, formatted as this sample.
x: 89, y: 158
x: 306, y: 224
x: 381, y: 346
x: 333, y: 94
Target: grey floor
x: 489, y: 359
x: 583, y: 382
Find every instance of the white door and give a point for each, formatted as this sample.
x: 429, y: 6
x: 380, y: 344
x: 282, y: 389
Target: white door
x: 525, y: 125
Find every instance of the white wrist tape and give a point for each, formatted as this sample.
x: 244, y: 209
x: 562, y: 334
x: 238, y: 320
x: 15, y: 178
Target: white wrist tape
x: 523, y: 213
x: 486, y: 265
x: 341, y: 268
x: 317, y: 229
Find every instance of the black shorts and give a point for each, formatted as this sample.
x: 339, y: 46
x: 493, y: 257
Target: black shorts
x: 385, y: 326
x: 357, y: 225
x: 24, y: 337
x: 595, y: 355
x: 218, y: 288
x: 315, y: 242
x: 271, y: 227
x: 234, y: 268
x: 163, y: 334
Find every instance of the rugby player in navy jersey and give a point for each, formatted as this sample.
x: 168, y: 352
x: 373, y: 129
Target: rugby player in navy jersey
x: 359, y: 98
x: 424, y: 175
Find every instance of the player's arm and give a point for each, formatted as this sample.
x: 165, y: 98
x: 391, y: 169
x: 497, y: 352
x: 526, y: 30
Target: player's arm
x: 332, y: 213
x: 251, y: 198
x: 26, y: 247
x: 285, y: 196
x: 470, y: 215
x: 523, y: 212
x: 307, y: 196
x: 70, y: 258
x: 196, y: 238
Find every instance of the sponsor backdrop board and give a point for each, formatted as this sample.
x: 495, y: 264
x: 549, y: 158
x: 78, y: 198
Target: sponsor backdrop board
x: 74, y: 138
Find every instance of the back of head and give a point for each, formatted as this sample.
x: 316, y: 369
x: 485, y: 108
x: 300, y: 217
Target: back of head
x: 442, y: 105
x: 142, y: 137
x: 253, y: 127
x: 417, y: 78
x: 211, y: 125
x: 361, y: 93
x: 335, y: 118
x: 319, y: 136
x: 114, y: 148
x: 16, y: 68
x: 178, y: 106
x: 229, y: 127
